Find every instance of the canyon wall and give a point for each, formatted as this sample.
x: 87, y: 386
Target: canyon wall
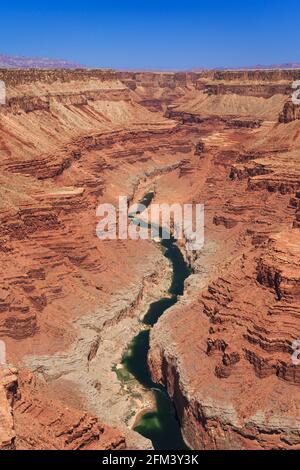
x: 225, y: 352
x: 70, y: 303
x: 31, y: 419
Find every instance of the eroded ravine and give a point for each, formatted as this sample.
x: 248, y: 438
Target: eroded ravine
x: 161, y: 424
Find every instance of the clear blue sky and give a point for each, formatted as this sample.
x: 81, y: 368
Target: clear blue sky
x: 165, y: 34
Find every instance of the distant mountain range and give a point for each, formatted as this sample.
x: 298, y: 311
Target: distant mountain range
x: 36, y: 62
x: 288, y: 65
x: 7, y: 61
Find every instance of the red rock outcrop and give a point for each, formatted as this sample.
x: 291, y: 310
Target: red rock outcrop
x: 290, y: 112
x: 33, y: 420
x: 8, y: 385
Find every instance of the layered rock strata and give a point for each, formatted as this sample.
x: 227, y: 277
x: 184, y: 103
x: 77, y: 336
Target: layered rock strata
x: 225, y: 353
x: 31, y: 419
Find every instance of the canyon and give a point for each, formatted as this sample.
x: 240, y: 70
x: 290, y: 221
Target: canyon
x: 70, y: 304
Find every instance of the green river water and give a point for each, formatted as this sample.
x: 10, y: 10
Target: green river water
x: 160, y: 426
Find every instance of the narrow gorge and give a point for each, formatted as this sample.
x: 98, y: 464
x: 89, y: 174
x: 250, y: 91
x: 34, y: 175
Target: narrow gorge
x: 159, y: 424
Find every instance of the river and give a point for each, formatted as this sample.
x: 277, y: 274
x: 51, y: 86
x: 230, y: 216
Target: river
x: 161, y: 426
